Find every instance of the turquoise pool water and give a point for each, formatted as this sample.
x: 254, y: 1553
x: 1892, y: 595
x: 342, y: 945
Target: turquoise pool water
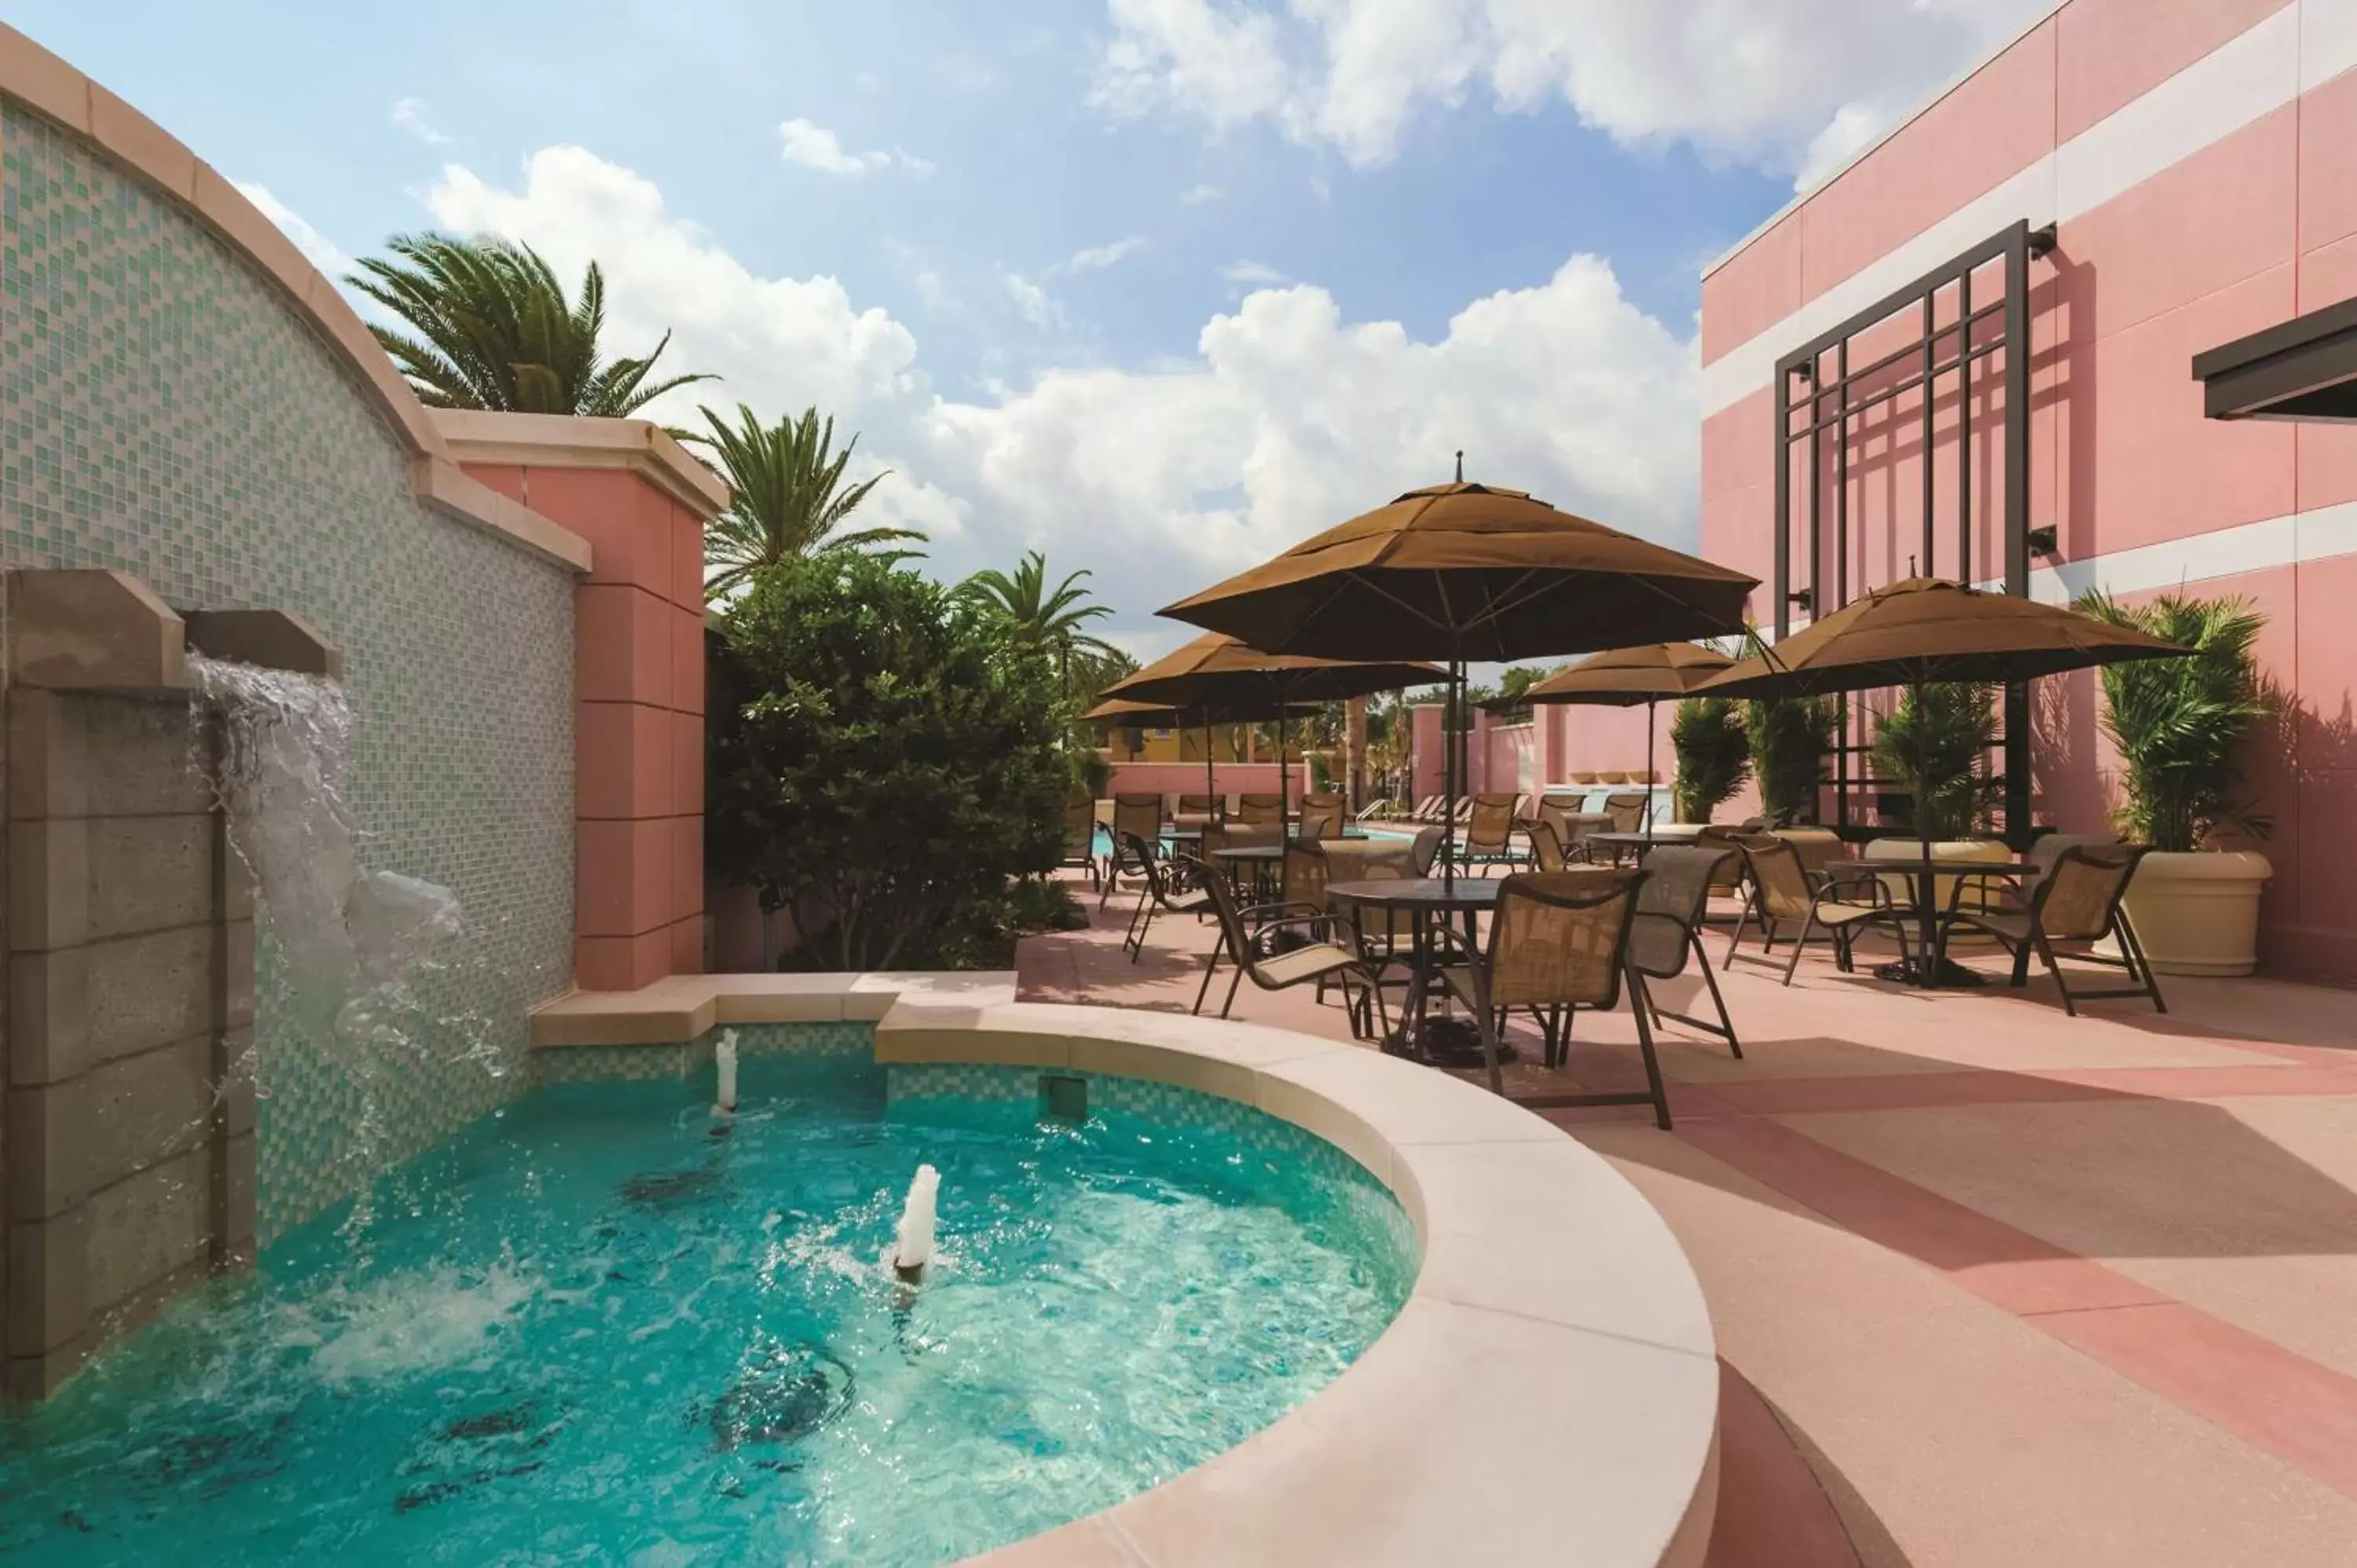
x: 589, y: 1330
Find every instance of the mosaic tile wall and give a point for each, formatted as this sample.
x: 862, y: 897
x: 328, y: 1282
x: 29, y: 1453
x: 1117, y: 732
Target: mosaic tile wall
x: 596, y: 1064
x: 162, y: 412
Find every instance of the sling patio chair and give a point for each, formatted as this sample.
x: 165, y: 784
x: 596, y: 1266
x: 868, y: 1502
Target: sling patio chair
x: 1628, y: 811
x: 1165, y: 892
x: 1817, y: 847
x: 1195, y: 811
x: 1781, y: 894
x: 1133, y: 817
x: 1559, y: 942
x: 2078, y: 900
x: 1489, y: 839
x: 1080, y: 836
x: 1253, y: 810
x: 1669, y: 928
x: 1327, y: 951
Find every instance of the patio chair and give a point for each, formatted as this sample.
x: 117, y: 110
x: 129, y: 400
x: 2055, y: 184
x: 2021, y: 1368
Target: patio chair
x: 1164, y: 893
x: 1670, y: 911
x: 1464, y: 810
x: 1546, y: 850
x: 1320, y: 817
x: 1322, y: 956
x: 1781, y: 893
x: 1489, y: 836
x: 1133, y: 817
x: 1628, y: 811
x: 1194, y: 810
x: 1325, y: 800
x: 1080, y: 836
x: 1559, y: 941
x: 2077, y: 901
x: 1817, y: 847
x: 1257, y: 808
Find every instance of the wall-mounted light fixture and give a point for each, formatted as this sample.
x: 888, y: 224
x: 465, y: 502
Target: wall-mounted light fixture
x: 1804, y: 600
x: 2045, y: 540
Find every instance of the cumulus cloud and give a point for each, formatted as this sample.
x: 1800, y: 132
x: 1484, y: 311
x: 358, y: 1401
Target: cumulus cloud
x: 317, y: 249
x: 1251, y: 275
x: 815, y: 146
x: 1196, y: 195
x: 1756, y: 80
x: 1286, y: 418
x: 410, y: 114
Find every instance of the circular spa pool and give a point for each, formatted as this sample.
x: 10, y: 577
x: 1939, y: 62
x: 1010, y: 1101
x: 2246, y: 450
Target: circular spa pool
x: 602, y: 1326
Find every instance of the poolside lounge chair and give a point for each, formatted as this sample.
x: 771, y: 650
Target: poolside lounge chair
x: 1080, y: 836
x: 2076, y: 901
x: 1327, y: 953
x: 1668, y: 930
x: 1559, y: 941
x: 1782, y: 893
x: 1163, y: 893
x: 1133, y: 817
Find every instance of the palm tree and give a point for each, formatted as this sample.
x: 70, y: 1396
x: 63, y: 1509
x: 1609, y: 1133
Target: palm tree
x: 489, y: 327
x: 788, y: 497
x: 1038, y: 617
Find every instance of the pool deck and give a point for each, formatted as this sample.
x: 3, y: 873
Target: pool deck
x: 1999, y: 1287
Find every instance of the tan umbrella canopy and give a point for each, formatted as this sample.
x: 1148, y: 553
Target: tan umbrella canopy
x: 1216, y: 671
x: 1623, y: 677
x: 1923, y: 631
x: 1461, y: 572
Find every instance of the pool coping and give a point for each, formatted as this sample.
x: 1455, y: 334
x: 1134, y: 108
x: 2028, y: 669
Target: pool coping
x: 1548, y: 1392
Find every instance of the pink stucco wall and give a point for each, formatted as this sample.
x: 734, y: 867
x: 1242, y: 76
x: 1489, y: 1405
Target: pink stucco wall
x: 2200, y: 158
x: 1187, y: 778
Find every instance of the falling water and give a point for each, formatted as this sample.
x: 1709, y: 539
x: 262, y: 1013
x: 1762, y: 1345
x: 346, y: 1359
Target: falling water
x: 912, y: 1246
x: 349, y: 944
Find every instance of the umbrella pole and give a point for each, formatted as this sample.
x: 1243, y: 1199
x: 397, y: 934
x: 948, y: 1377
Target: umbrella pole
x: 1927, y: 891
x: 1210, y: 781
x: 1449, y: 760
x: 1284, y: 788
x: 1650, y: 706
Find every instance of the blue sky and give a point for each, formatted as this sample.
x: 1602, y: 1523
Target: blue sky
x: 1157, y: 285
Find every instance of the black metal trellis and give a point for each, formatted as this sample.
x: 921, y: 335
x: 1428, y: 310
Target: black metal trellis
x: 1961, y: 348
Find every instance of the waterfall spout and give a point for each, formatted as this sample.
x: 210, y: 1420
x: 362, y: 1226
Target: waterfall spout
x: 914, y: 1248
x: 724, y: 1060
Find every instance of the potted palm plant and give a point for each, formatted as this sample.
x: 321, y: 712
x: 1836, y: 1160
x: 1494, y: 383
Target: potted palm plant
x: 1935, y: 746
x: 2179, y: 725
x: 1713, y: 756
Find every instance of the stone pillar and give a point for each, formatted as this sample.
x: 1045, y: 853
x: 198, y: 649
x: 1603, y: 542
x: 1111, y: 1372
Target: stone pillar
x: 642, y: 503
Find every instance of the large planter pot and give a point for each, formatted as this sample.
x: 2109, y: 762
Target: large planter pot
x: 2199, y: 914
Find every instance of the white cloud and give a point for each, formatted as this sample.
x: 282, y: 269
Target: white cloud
x: 1251, y: 275
x: 815, y: 146
x: 1757, y: 80
x: 1284, y: 419
x: 317, y: 249
x: 1033, y: 301
x: 409, y: 114
x: 1196, y: 195
x: 1095, y: 258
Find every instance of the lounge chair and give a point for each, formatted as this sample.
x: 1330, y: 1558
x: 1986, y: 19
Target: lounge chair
x: 1323, y: 956
x: 1080, y: 836
x: 1162, y: 893
x: 1559, y: 941
x: 1133, y: 816
x: 2078, y: 900
x: 1668, y: 932
x: 1782, y: 893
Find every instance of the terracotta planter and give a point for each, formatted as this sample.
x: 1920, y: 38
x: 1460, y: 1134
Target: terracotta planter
x: 2199, y: 914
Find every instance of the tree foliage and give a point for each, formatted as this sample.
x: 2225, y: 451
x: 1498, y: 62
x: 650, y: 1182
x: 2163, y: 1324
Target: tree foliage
x: 1046, y: 620
x: 1789, y: 739
x: 2179, y: 723
x: 1714, y: 754
x: 489, y: 327
x: 788, y: 498
x: 886, y: 763
x: 1937, y: 748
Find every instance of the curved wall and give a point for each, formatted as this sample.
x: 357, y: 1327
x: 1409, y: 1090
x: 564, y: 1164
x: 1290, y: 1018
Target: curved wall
x: 169, y: 408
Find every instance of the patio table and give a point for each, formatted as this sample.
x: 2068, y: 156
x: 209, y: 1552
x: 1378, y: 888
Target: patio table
x: 1430, y: 900
x: 1258, y: 859
x: 1668, y: 833
x: 1929, y: 968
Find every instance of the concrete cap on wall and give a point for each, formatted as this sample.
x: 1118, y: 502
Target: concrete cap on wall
x: 566, y: 441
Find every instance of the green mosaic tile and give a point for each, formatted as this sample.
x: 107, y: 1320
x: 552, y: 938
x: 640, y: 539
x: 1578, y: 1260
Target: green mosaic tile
x: 165, y: 412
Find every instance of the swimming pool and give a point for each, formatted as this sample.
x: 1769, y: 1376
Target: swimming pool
x: 602, y: 1325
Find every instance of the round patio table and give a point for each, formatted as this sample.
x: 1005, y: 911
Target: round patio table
x: 1433, y: 901
x: 1258, y: 859
x: 1929, y: 967
x: 1669, y: 833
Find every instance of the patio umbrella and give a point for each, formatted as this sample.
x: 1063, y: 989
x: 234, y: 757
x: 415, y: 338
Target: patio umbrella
x: 1623, y: 677
x: 1923, y: 631
x: 1460, y: 572
x: 1217, y: 669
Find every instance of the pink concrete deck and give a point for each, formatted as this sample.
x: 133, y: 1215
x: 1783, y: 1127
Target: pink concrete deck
x: 2002, y: 1287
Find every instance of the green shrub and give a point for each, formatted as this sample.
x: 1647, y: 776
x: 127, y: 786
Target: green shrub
x: 1938, y: 750
x: 1714, y: 754
x: 884, y: 762
x: 2179, y: 723
x: 1789, y: 739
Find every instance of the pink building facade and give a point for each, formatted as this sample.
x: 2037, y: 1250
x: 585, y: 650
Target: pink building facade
x: 2185, y: 172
